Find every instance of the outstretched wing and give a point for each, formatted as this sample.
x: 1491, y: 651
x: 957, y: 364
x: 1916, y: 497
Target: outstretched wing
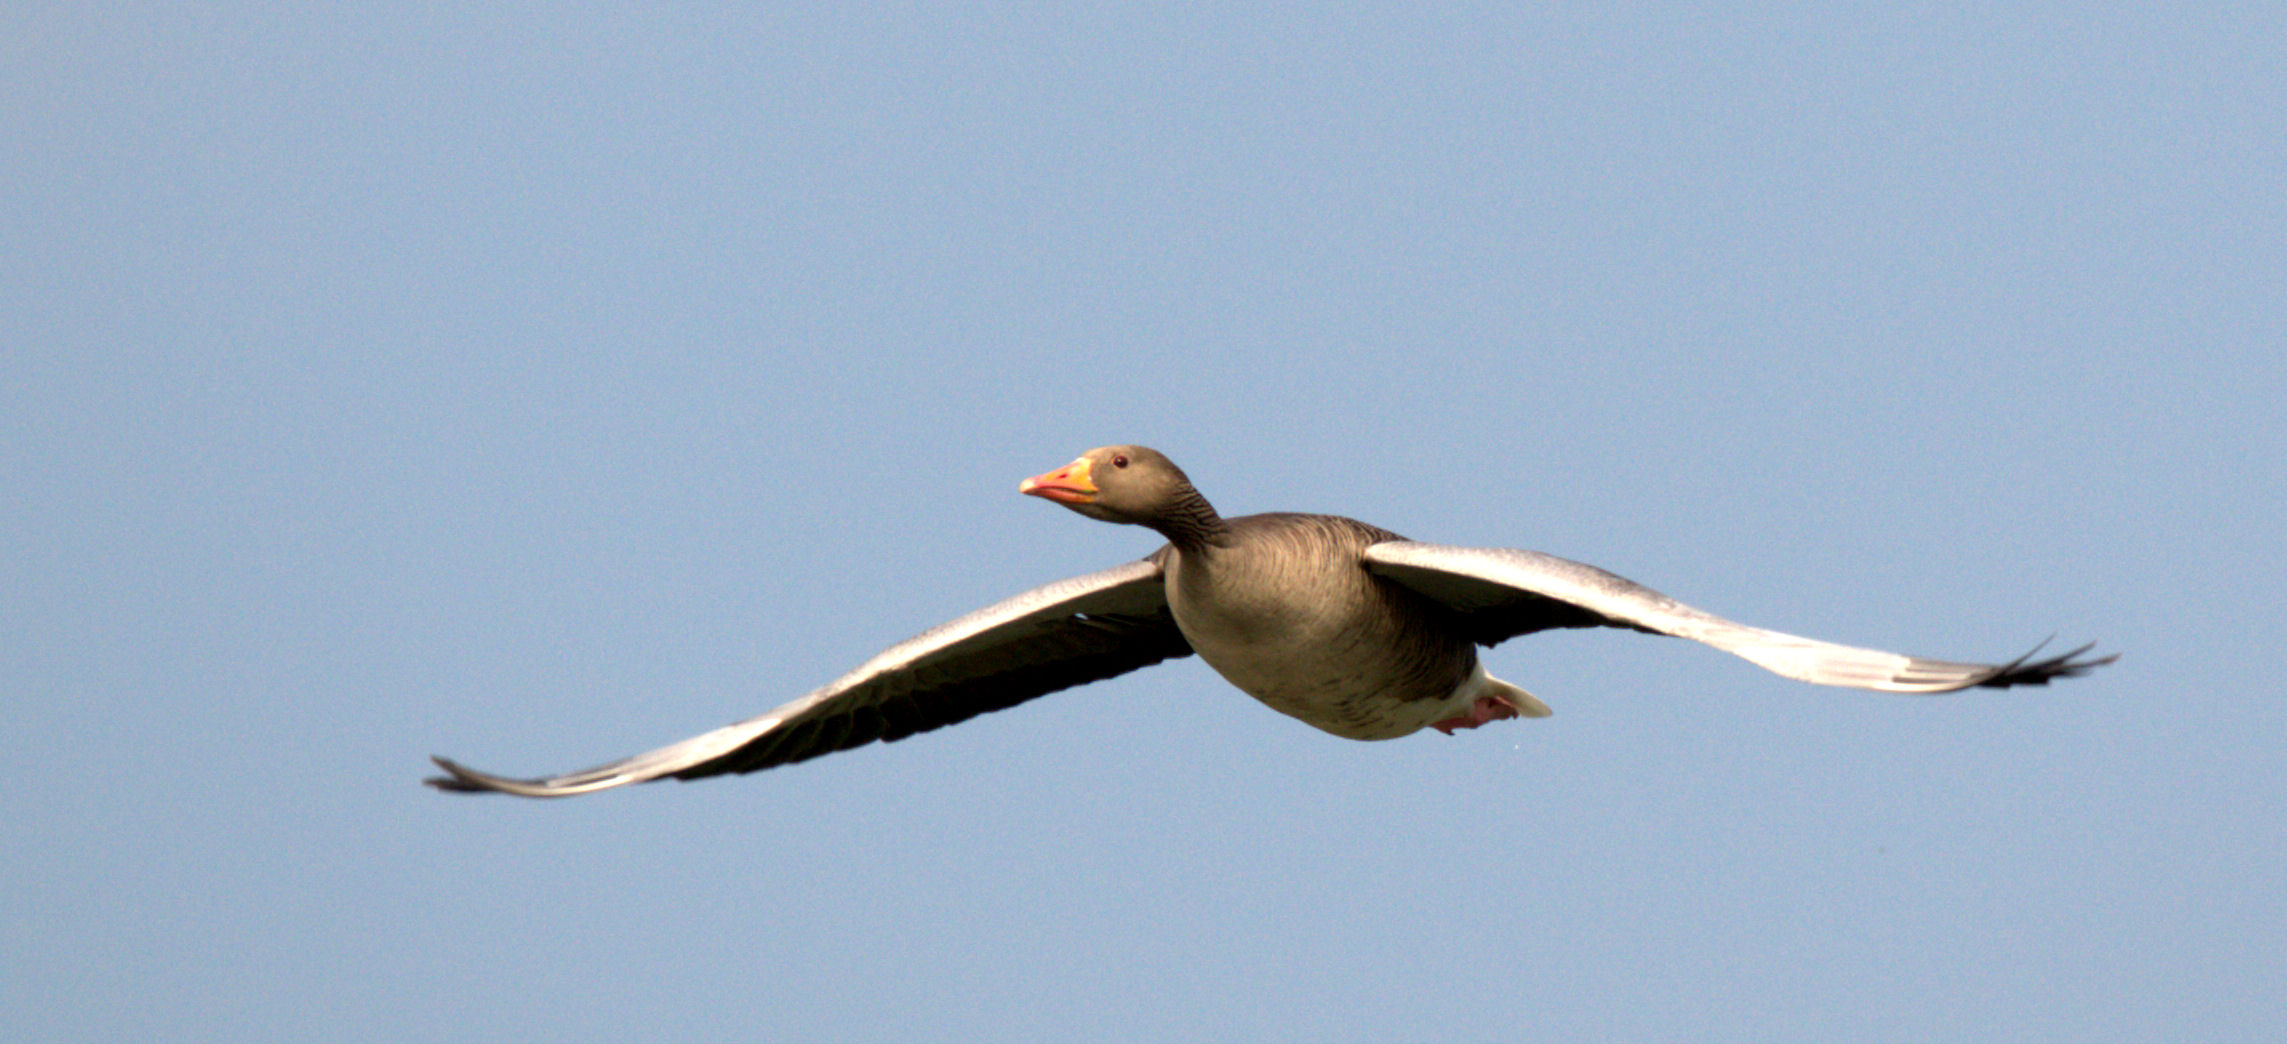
x: 1500, y: 593
x: 1067, y: 633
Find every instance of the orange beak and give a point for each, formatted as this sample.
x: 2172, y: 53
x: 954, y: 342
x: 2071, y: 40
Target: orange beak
x: 1066, y: 485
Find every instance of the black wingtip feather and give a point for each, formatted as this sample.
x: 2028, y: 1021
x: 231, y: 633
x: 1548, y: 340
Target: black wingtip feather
x: 458, y: 780
x: 2025, y: 670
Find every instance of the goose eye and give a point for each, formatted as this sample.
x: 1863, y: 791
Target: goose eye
x: 1119, y: 460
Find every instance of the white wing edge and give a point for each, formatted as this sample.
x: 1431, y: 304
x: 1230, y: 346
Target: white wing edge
x: 1793, y: 656
x: 1121, y: 588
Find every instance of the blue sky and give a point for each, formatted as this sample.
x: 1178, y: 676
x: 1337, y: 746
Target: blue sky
x: 538, y: 384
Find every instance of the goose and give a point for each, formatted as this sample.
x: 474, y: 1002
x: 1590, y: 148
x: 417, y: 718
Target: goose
x: 1346, y: 626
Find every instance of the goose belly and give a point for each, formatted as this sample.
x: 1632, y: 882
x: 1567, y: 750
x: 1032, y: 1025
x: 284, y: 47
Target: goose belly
x: 1347, y: 698
x: 1353, y: 672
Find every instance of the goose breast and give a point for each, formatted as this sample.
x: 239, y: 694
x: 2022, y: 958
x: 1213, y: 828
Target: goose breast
x: 1285, y: 610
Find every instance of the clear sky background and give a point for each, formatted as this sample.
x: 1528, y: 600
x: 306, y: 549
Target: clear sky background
x: 535, y: 384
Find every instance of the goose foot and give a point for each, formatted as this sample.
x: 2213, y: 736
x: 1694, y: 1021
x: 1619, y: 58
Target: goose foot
x: 1487, y: 708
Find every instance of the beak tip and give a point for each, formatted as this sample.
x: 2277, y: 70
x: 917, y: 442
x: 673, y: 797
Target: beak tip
x: 1066, y: 485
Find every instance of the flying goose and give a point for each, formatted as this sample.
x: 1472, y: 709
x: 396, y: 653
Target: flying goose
x: 1347, y: 626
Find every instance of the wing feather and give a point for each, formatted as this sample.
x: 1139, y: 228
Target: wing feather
x: 1500, y: 593
x: 1067, y: 633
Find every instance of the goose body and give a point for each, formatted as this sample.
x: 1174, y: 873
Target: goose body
x: 1284, y: 609
x: 1335, y: 622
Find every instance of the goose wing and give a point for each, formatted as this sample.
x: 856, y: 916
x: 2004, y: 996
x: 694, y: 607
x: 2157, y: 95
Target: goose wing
x: 1067, y: 633
x: 1500, y: 593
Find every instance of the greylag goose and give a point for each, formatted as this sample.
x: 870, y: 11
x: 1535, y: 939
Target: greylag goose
x: 1349, y: 627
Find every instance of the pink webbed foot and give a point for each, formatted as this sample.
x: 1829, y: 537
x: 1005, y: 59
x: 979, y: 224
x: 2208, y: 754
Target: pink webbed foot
x: 1487, y: 708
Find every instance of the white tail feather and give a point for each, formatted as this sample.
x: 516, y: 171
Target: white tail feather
x: 1526, y: 703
